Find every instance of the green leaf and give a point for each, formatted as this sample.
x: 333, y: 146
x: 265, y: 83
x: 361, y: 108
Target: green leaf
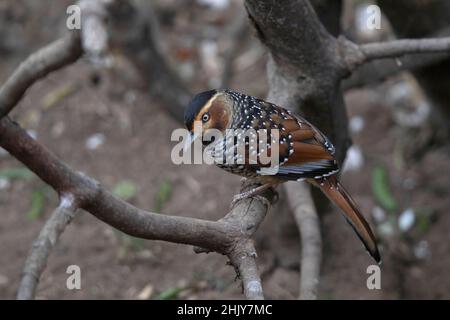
x: 125, y: 189
x: 17, y: 173
x: 171, y: 293
x: 163, y: 195
x: 37, y: 205
x: 380, y: 187
x: 424, y: 224
x: 424, y: 219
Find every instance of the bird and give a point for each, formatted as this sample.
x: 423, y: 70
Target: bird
x: 304, y: 152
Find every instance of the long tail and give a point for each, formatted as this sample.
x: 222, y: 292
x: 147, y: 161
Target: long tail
x: 331, y: 187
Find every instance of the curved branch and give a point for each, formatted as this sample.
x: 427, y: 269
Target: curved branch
x: 230, y: 235
x: 43, y: 245
x: 52, y: 57
x: 58, y: 54
x: 307, y: 220
x: 225, y: 236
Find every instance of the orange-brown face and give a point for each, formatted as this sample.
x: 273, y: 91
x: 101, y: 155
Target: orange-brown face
x: 216, y: 113
x: 212, y: 109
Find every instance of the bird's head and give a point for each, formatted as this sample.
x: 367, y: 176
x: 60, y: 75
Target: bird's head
x: 212, y: 109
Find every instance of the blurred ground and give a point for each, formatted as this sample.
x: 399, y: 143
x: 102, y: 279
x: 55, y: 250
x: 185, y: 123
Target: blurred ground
x: 129, y: 141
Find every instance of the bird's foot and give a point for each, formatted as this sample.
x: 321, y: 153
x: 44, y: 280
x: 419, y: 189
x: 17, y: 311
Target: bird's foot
x: 250, y: 193
x: 239, y: 197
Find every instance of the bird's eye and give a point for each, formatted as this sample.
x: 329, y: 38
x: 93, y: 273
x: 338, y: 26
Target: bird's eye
x: 205, y: 117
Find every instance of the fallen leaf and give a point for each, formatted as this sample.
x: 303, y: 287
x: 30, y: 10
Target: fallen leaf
x: 55, y: 96
x: 145, y: 293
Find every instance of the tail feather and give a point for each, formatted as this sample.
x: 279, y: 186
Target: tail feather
x: 331, y: 187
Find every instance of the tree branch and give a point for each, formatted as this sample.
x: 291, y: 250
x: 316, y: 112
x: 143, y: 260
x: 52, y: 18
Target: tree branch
x: 357, y: 55
x: 374, y: 71
x: 244, y: 260
x: 304, y: 67
x: 243, y: 256
x: 58, y: 54
x: 307, y: 220
x: 397, y: 48
x: 304, y: 73
x: 230, y: 235
x: 43, y: 245
x: 52, y: 57
x: 94, y: 31
x: 224, y: 236
x: 378, y: 70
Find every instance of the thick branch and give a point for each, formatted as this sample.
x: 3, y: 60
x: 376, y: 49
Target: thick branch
x: 329, y: 13
x: 304, y: 77
x: 52, y: 57
x: 43, y: 245
x: 243, y: 258
x: 224, y: 236
x: 231, y: 235
x: 101, y: 203
x: 292, y: 32
x: 307, y: 219
x: 304, y: 66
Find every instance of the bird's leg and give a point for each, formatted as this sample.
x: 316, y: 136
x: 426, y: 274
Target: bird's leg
x: 251, y: 193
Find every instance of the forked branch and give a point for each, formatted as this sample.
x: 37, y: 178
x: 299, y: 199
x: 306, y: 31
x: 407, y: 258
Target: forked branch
x: 307, y: 66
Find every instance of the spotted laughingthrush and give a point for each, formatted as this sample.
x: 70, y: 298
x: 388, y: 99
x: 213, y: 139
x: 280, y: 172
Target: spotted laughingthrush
x: 303, y: 151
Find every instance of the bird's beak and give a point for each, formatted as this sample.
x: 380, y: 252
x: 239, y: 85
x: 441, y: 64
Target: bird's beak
x: 190, y: 138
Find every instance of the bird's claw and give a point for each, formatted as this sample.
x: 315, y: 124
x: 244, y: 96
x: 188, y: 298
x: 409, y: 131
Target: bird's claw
x: 237, y: 198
